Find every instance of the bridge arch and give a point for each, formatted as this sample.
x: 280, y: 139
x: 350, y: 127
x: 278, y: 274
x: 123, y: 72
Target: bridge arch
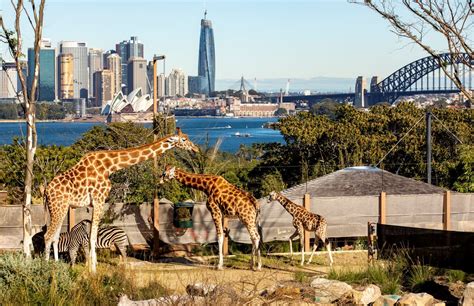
x: 401, y: 80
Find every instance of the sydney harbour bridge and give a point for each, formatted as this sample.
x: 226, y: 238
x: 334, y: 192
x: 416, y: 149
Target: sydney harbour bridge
x: 421, y: 77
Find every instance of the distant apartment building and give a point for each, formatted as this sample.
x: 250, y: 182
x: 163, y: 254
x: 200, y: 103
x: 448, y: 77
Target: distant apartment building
x: 104, y: 83
x: 46, y: 88
x: 177, y: 83
x: 126, y: 50
x: 80, y: 62
x: 114, y: 63
x: 66, y: 76
x: 137, y: 74
x: 161, y: 88
x: 95, y: 64
x: 104, y: 57
x: 196, y: 84
x: 8, y: 81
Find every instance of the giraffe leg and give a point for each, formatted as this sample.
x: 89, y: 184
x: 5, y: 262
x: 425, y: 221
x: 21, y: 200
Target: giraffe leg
x: 255, y: 237
x: 217, y: 218
x: 293, y: 236
x: 301, y: 234
x: 327, y: 244
x: 52, y: 233
x: 315, y: 246
x: 96, y: 215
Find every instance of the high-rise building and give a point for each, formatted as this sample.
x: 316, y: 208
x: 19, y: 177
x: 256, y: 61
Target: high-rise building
x: 105, y: 55
x: 160, y: 90
x: 196, y: 84
x: 80, y: 60
x: 8, y: 81
x: 177, y: 84
x: 207, y: 58
x: 360, y: 91
x: 126, y: 50
x: 66, y: 76
x: 114, y: 63
x: 46, y: 88
x: 104, y: 83
x: 95, y: 64
x: 137, y: 74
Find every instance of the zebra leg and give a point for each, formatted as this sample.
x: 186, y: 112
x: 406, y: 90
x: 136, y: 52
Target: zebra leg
x: 123, y: 252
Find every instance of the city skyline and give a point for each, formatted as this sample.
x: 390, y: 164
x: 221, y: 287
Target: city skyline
x: 273, y: 39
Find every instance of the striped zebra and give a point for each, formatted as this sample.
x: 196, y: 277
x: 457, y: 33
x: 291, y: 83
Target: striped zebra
x: 78, y: 237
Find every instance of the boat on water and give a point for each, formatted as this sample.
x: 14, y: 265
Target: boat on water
x: 238, y: 134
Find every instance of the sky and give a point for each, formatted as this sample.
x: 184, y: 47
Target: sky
x: 257, y: 39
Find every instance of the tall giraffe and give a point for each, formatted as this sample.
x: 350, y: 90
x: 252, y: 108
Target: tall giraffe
x: 304, y: 220
x: 87, y: 184
x: 223, y: 199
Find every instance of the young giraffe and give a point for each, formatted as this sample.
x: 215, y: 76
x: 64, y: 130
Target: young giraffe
x: 223, y: 199
x: 87, y: 184
x: 304, y: 220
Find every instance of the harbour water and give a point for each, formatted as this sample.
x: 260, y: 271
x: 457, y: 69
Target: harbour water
x: 232, y: 131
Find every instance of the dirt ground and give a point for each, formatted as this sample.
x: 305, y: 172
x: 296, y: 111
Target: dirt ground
x: 177, y: 273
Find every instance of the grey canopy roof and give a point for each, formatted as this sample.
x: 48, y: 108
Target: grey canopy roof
x: 361, y: 181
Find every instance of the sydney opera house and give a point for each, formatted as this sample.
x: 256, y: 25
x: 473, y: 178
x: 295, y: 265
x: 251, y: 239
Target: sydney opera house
x: 134, y: 102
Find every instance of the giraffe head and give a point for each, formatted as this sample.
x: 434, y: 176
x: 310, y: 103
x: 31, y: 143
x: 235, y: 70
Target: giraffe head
x: 272, y: 196
x: 181, y: 140
x: 168, y: 174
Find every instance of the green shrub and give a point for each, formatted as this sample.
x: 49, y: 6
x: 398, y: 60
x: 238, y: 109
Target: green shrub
x: 456, y: 275
x: 418, y: 275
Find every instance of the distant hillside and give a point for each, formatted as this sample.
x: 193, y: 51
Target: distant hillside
x: 318, y: 84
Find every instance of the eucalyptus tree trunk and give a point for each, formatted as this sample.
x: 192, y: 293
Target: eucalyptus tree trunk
x: 27, y: 99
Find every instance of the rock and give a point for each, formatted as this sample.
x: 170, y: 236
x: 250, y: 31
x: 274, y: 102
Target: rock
x: 387, y: 300
x: 369, y: 295
x: 468, y: 295
x: 328, y: 291
x: 199, y: 289
x: 416, y: 299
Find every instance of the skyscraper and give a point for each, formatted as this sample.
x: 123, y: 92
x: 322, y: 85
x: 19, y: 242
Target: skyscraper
x: 114, y: 63
x: 46, y: 89
x: 95, y: 64
x: 104, y: 84
x: 126, y: 50
x: 207, y: 58
x: 177, y: 83
x: 137, y: 74
x: 8, y: 81
x: 80, y: 59
x: 66, y: 76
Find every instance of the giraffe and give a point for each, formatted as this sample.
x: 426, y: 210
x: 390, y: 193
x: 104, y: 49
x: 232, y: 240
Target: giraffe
x: 87, y: 184
x: 304, y: 220
x: 223, y: 199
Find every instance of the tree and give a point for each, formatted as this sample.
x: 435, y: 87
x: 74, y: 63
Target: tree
x: 14, y: 40
x: 281, y: 112
x: 450, y: 19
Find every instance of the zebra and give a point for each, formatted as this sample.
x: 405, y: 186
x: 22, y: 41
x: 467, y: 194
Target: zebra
x: 78, y: 237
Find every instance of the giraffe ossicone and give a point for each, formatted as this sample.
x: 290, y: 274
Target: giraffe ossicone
x: 224, y: 199
x: 87, y: 184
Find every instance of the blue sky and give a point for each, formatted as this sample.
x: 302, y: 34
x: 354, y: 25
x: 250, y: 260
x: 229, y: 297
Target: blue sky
x: 257, y: 39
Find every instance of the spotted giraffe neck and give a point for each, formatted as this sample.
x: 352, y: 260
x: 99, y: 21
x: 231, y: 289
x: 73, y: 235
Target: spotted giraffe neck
x: 287, y: 204
x: 195, y: 181
x: 128, y: 157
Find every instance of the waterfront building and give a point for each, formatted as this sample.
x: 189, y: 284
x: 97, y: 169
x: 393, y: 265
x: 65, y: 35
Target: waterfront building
x: 104, y: 84
x: 114, y: 63
x: 80, y: 62
x: 207, y: 58
x: 95, y: 64
x: 46, y: 88
x: 126, y: 50
x: 8, y: 81
x: 137, y: 74
x: 177, y: 83
x: 66, y: 76
x: 161, y: 89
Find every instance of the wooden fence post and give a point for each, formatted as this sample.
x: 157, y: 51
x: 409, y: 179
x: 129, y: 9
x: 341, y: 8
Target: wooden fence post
x: 382, y: 208
x: 156, y: 226
x: 71, y: 220
x: 447, y: 210
x: 225, y: 225
x: 307, y: 205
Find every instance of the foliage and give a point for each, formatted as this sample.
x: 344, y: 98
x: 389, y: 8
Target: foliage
x: 281, y: 112
x: 456, y: 276
x: 9, y: 111
x: 50, y: 111
x: 325, y: 107
x: 418, y: 275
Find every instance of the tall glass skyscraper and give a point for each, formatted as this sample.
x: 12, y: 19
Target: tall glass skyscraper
x: 207, y: 57
x: 80, y: 60
x: 126, y: 50
x: 46, y: 78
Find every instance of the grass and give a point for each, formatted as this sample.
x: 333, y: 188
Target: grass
x: 35, y: 281
x: 456, y: 276
x: 418, y: 275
